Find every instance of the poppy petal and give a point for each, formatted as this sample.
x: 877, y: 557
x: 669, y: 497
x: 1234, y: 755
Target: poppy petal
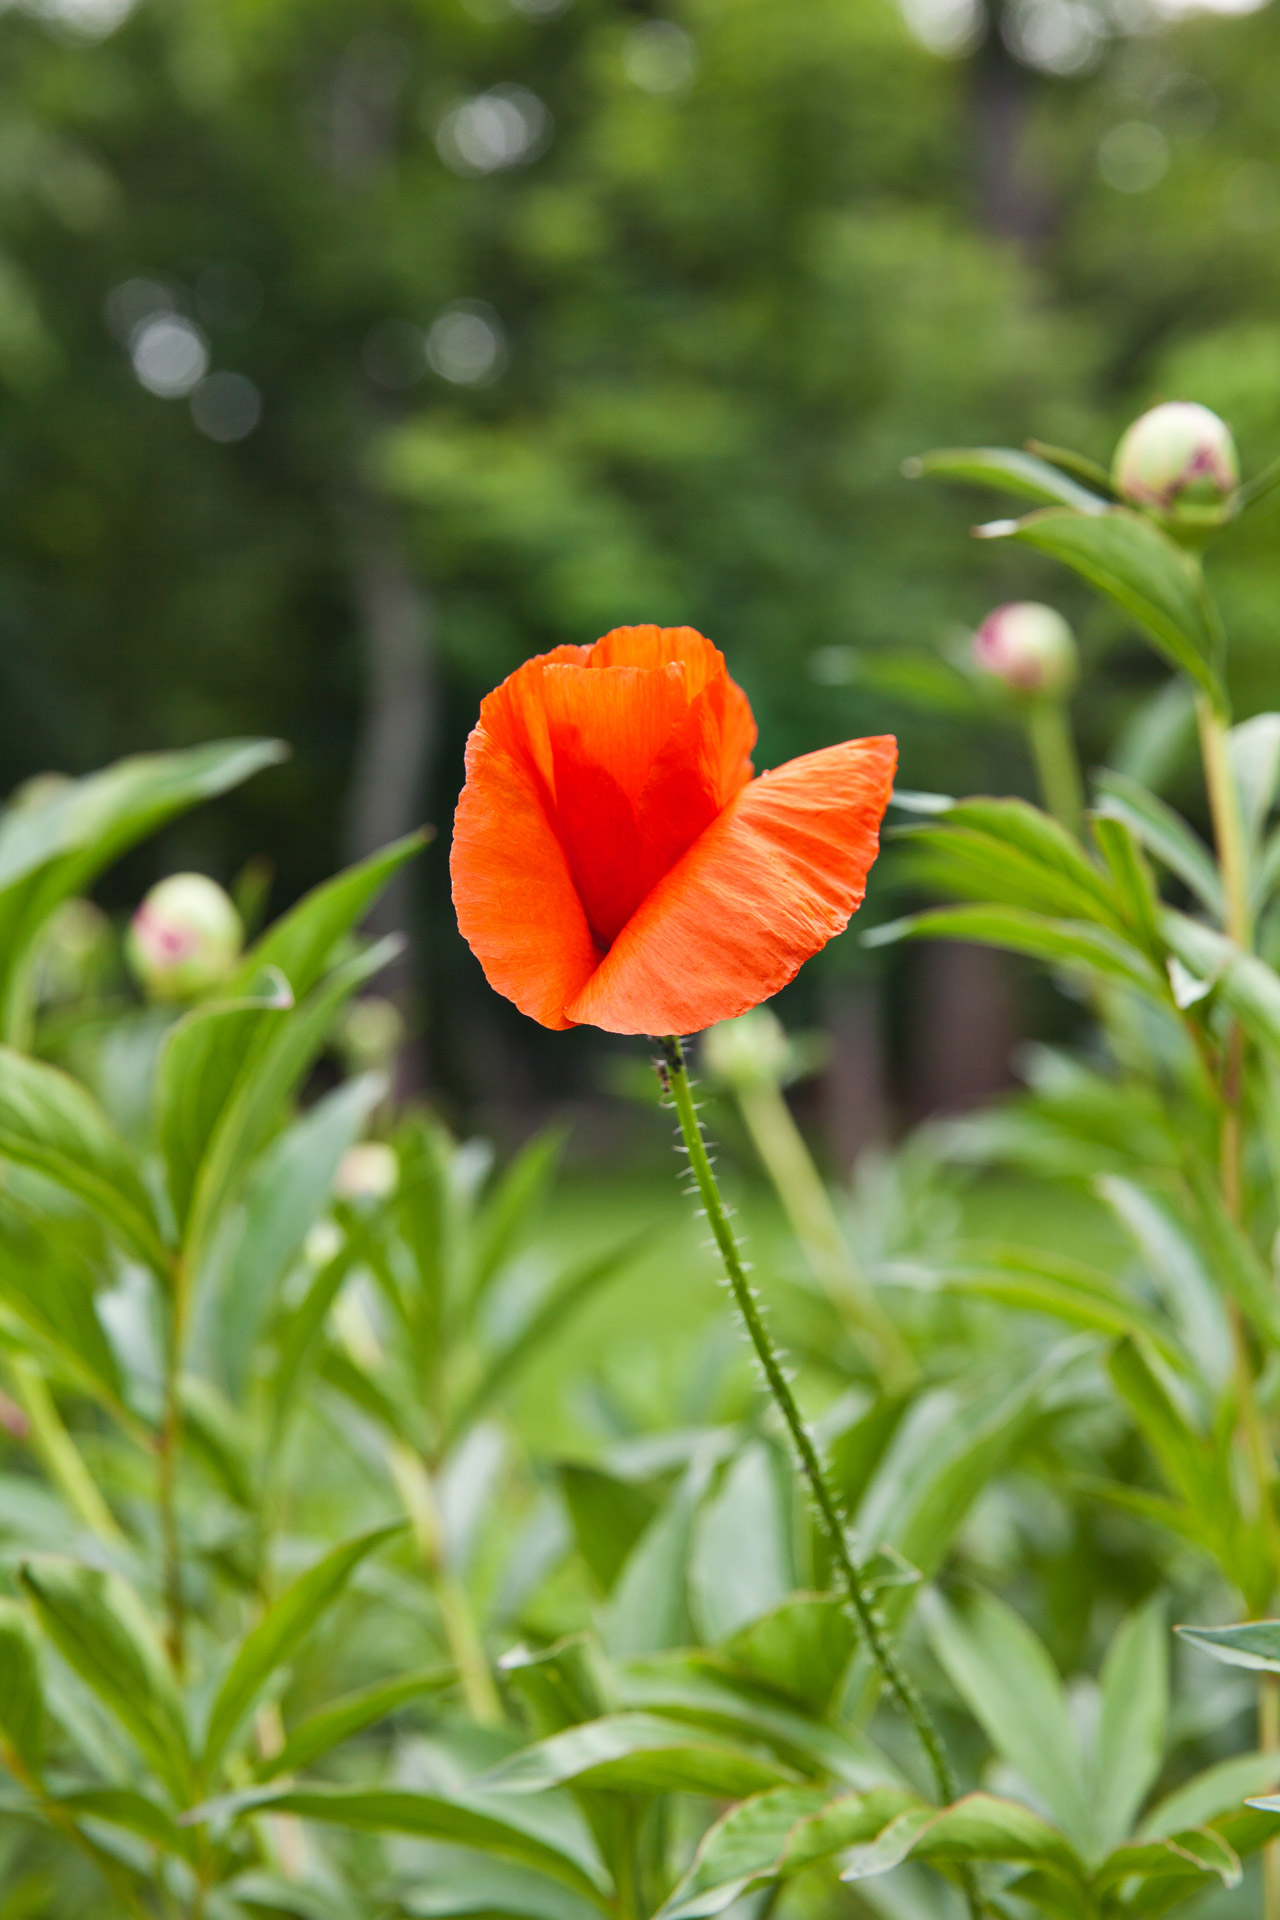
x: 515, y: 899
x: 772, y: 879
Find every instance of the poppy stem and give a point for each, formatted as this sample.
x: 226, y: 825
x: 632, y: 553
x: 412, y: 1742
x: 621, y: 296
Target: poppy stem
x: 833, y: 1522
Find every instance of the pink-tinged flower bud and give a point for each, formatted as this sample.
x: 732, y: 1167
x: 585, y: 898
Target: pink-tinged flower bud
x: 185, y: 938
x: 1028, y: 646
x: 1179, y: 461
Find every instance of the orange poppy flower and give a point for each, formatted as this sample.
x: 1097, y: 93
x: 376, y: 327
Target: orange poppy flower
x: 614, y: 862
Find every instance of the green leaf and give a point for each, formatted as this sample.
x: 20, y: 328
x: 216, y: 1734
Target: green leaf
x: 203, y: 1057
x: 1134, y: 1721
x: 772, y: 1836
x: 1178, y: 1270
x: 648, y: 1608
x: 1011, y: 1687
x: 1254, y: 748
x: 351, y: 1714
x: 1133, y: 882
x: 1067, y: 943
x: 565, y: 1297
x: 1246, y: 983
x: 21, y: 1695
x: 511, y: 1210
x: 54, y: 848
x: 741, y: 1563
x: 135, y: 1812
x: 102, y: 1630
x: 1217, y: 1791
x: 1178, y: 1446
x: 1040, y: 1282
x: 800, y: 1649
x: 609, y: 1515
x: 1142, y: 570
x: 279, y: 1633
x: 639, y: 1753
x: 1254, y: 1644
x: 494, y: 1889
x: 49, y: 1122
x: 301, y: 942
x: 1165, y: 835
x: 700, y: 1689
x: 1016, y: 855
x: 219, y: 1434
x: 979, y: 1827
x: 563, y: 1685
x: 48, y: 1286
x: 1012, y: 471
x: 250, y: 1116
x: 1193, y: 1853
x: 943, y: 1453
x: 464, y: 1821
x: 288, y: 1189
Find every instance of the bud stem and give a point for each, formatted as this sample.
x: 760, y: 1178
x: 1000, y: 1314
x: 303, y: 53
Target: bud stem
x: 1228, y: 825
x: 1057, y: 767
x: 826, y: 1503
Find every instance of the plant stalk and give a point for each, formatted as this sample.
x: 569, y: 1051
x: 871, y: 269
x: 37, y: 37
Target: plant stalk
x: 1057, y: 766
x: 1233, y: 862
x: 862, y: 1603
x: 807, y: 1204
x: 417, y: 1490
x: 58, y: 1451
x: 168, y: 1446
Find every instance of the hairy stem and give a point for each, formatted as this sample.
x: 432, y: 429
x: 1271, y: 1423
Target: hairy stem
x: 860, y: 1600
x: 1057, y: 766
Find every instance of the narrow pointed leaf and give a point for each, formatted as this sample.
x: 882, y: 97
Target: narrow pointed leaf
x: 279, y: 1633
x: 639, y: 1753
x: 1011, y: 471
x: 49, y: 1122
x: 102, y: 1630
x: 352, y: 1714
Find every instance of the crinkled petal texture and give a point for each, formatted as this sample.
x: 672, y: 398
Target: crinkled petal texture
x: 615, y: 865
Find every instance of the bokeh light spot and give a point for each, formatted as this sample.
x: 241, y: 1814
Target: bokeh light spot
x: 659, y: 57
x: 169, y: 356
x: 466, y: 344
x: 226, y: 407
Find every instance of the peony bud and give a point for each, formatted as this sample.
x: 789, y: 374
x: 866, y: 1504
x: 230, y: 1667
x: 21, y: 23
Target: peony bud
x: 369, y: 1171
x: 1028, y: 646
x: 1179, y: 461
x: 185, y: 937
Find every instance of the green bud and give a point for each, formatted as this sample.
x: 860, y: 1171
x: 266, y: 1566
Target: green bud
x: 752, y: 1051
x: 185, y: 938
x: 1179, y: 461
x: 1028, y: 646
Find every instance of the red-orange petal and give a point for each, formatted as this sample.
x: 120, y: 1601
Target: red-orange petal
x: 517, y: 907
x: 772, y: 879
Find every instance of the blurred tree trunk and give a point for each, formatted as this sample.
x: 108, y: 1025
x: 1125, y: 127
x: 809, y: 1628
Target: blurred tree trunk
x: 1010, y: 202
x: 854, y: 1097
x: 396, y: 740
x: 965, y: 1027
